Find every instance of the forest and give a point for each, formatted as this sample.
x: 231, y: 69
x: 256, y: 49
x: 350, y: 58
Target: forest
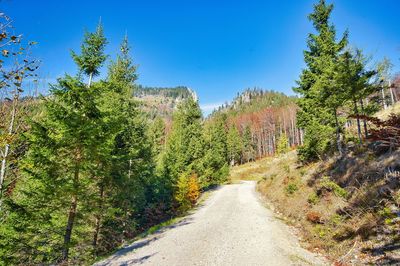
x: 91, y: 165
x: 84, y: 168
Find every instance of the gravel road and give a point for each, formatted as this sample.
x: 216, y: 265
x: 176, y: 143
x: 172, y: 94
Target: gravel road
x: 231, y: 227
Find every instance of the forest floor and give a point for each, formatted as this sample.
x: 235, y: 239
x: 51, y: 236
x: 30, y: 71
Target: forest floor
x: 230, y: 227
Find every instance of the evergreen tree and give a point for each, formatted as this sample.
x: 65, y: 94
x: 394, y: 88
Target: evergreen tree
x: 321, y: 95
x: 123, y: 71
x: 234, y: 145
x: 353, y: 78
x: 184, y: 149
x: 52, y: 204
x: 283, y: 144
x: 157, y: 137
x: 125, y: 184
x: 215, y: 161
x: 92, y: 53
x: 248, y: 145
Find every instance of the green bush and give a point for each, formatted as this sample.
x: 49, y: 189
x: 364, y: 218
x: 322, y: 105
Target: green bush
x: 313, y: 198
x: 187, y: 191
x: 317, y: 142
x: 291, y: 188
x: 330, y: 185
x: 286, y: 167
x: 283, y: 144
x: 303, y: 172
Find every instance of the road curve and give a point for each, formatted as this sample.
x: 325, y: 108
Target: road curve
x: 230, y: 228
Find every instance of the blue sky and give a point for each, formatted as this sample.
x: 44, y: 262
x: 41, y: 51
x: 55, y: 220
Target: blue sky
x: 217, y: 48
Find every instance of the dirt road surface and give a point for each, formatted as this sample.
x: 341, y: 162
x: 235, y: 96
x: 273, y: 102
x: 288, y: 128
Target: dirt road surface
x: 231, y: 227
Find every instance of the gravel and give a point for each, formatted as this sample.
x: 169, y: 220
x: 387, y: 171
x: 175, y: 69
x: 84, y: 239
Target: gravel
x: 231, y: 227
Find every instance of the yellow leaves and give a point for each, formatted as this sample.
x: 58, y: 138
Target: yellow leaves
x: 6, y: 139
x: 193, y: 189
x: 5, y: 52
x: 188, y: 191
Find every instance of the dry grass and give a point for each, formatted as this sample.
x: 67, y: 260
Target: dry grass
x: 384, y: 114
x: 337, y: 204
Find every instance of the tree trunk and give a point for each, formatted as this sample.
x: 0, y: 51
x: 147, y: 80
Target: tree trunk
x: 338, y: 140
x: 383, y: 98
x: 90, y: 80
x: 364, y: 121
x: 71, y: 214
x: 358, y: 120
x: 391, y: 93
x: 3, y: 170
x: 7, y: 146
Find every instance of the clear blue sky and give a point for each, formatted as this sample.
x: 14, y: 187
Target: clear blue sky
x: 218, y: 48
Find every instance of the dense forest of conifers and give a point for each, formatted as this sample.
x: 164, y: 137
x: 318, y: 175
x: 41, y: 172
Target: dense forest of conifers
x: 84, y: 168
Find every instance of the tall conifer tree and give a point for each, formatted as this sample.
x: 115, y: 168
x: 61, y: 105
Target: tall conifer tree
x: 317, y: 86
x: 92, y: 55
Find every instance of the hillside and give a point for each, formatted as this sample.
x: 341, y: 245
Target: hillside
x: 262, y: 118
x: 345, y: 208
x: 162, y: 101
x: 253, y: 100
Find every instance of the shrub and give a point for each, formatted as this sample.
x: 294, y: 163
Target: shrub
x: 332, y: 186
x: 313, y: 198
x: 317, y: 142
x: 286, y: 167
x: 314, y: 217
x: 291, y: 188
x: 336, y: 219
x: 193, y: 189
x: 188, y: 191
x: 303, y: 172
x: 283, y: 144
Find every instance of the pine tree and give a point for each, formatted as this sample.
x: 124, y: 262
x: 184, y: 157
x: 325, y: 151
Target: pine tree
x: 123, y: 71
x: 184, y: 149
x: 157, y: 137
x: 215, y: 161
x: 321, y: 95
x: 125, y: 184
x: 234, y: 145
x: 353, y: 79
x: 65, y: 144
x: 283, y: 144
x: 248, y: 145
x: 50, y: 206
x: 92, y: 53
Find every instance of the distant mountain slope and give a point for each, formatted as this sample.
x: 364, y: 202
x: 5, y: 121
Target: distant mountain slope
x: 263, y: 119
x: 162, y: 101
x: 253, y: 100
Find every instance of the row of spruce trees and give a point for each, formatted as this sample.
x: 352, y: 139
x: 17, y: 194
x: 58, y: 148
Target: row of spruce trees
x: 96, y: 171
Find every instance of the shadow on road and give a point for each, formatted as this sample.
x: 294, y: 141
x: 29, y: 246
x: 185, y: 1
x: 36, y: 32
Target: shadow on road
x: 141, y: 243
x: 137, y: 261
x: 120, y: 254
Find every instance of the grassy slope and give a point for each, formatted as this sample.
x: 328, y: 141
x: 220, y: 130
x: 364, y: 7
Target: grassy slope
x: 338, y: 205
x: 384, y: 114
